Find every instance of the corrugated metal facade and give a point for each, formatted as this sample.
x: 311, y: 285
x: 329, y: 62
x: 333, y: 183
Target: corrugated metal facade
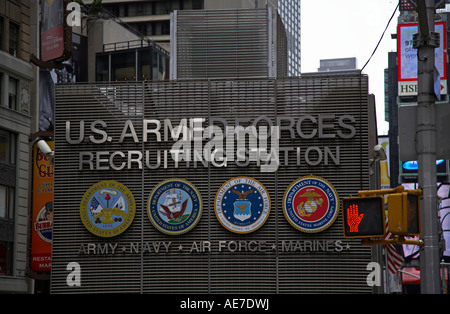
x: 270, y: 270
x: 227, y: 44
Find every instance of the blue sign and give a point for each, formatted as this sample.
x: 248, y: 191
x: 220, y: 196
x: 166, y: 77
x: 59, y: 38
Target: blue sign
x: 414, y: 164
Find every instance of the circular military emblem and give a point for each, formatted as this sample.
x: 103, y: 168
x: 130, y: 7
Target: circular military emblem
x: 174, y: 206
x: 107, y: 208
x: 311, y: 204
x: 242, y: 205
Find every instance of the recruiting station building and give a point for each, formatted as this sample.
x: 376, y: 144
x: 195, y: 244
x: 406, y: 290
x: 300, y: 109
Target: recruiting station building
x: 133, y: 214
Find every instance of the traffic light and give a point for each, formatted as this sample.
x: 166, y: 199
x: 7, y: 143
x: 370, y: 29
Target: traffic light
x: 404, y: 213
x: 363, y: 217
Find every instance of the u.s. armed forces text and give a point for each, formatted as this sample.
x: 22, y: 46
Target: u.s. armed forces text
x: 218, y: 144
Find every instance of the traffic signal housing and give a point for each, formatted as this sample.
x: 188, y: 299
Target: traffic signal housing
x: 363, y: 217
x: 404, y: 213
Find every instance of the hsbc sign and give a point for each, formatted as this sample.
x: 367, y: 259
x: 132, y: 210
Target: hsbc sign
x: 410, y: 88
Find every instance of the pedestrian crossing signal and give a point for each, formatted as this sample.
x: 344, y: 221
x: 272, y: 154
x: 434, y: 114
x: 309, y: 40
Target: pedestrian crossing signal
x: 363, y: 217
x: 404, y: 213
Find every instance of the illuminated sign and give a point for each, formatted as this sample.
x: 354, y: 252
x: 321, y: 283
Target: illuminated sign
x: 363, y: 217
x: 411, y: 168
x: 407, y: 58
x: 414, y: 165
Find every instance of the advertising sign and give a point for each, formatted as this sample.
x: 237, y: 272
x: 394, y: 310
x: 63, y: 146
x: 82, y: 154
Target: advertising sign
x: 407, y: 58
x: 52, y: 29
x: 42, y: 223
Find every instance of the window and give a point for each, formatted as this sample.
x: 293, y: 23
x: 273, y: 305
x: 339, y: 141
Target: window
x: 123, y: 66
x: 5, y: 258
x: 12, y: 93
x: 102, y: 68
x: 3, y: 200
x: 13, y: 38
x: 6, y: 202
x: 7, y: 199
x: 7, y: 147
x: 1, y: 90
x: 2, y: 34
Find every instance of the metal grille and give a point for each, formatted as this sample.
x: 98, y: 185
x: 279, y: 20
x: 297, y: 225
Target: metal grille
x: 175, y: 271
x: 227, y: 44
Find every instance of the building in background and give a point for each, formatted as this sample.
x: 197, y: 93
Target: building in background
x: 340, y: 64
x: 151, y: 19
x: 289, y: 11
x: 228, y: 43
x: 16, y: 79
x: 117, y: 52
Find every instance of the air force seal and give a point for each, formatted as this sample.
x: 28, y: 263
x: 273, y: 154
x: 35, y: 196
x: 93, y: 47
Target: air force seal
x: 174, y: 206
x: 107, y: 208
x: 311, y: 204
x: 242, y: 205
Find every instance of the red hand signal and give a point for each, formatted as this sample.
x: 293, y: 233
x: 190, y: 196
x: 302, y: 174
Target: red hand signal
x: 353, y: 217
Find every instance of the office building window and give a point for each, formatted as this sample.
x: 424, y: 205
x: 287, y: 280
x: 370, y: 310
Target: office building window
x: 2, y: 34
x: 12, y: 93
x: 1, y: 90
x: 7, y: 147
x: 6, y: 202
x: 123, y: 66
x: 102, y: 68
x: 7, y: 199
x: 5, y: 258
x: 3, y: 200
x: 13, y: 38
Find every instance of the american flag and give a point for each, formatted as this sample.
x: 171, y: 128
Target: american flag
x: 94, y: 205
x: 394, y: 258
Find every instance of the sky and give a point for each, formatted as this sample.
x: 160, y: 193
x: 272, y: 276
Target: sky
x: 350, y: 28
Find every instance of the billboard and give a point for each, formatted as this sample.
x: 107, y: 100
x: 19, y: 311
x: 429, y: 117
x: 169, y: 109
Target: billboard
x: 52, y: 29
x: 42, y: 219
x: 209, y: 186
x: 55, y: 34
x: 407, y: 58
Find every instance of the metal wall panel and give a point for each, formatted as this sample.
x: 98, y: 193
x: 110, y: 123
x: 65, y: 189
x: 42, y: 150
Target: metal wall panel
x: 271, y: 270
x: 228, y: 44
